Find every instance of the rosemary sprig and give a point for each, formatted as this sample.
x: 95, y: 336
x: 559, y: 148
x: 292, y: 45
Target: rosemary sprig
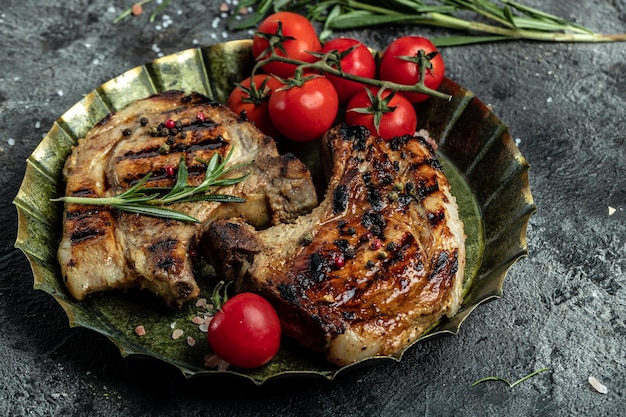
x: 510, y: 384
x: 506, y: 19
x: 151, y: 201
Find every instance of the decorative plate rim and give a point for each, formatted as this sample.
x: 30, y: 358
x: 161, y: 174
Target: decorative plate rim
x: 202, y: 64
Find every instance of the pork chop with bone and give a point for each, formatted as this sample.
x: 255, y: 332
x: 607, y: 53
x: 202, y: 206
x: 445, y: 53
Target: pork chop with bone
x: 370, y: 269
x: 105, y: 249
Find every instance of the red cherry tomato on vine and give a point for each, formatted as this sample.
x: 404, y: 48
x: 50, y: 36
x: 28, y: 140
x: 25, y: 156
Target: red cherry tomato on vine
x: 358, y: 62
x: 300, y: 40
x: 304, y: 113
x: 256, y: 107
x: 245, y: 332
x: 398, y: 70
x: 401, y: 121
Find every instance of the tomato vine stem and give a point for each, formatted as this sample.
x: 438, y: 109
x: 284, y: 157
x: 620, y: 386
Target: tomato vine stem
x: 322, y: 66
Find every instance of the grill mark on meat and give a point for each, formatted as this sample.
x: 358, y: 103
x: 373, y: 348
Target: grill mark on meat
x: 424, y: 189
x: 163, y: 245
x: 197, y: 125
x: 81, y: 213
x: 83, y: 192
x: 445, y: 266
x: 163, y: 252
x: 430, y: 162
x: 81, y: 235
x: 151, y: 152
x: 340, y: 199
x: 374, y: 197
x: 434, y: 218
x: 316, y: 267
x: 374, y: 222
x: 288, y: 293
x: 88, y: 223
x: 356, y: 134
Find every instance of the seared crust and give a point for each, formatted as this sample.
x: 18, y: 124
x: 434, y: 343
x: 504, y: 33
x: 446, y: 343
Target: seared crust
x: 104, y: 249
x: 374, y: 266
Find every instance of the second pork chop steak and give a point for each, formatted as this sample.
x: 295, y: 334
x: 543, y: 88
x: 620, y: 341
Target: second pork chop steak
x: 106, y: 249
x: 370, y: 269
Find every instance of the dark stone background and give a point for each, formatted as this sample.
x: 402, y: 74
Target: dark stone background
x: 564, y: 307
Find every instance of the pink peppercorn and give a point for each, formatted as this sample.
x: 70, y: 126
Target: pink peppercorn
x: 339, y: 261
x: 200, y: 116
x: 169, y: 170
x: 376, y: 244
x: 170, y: 124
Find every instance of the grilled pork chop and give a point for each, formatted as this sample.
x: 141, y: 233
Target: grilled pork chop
x: 372, y: 267
x: 105, y: 249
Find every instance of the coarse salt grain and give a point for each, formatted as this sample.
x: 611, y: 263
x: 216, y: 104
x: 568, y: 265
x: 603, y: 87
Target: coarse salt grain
x: 140, y: 330
x: 612, y: 210
x: 597, y: 385
x: 177, y: 333
x: 11, y: 141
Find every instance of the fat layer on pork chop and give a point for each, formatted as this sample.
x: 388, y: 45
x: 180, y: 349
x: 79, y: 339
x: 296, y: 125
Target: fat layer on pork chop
x: 105, y: 249
x: 370, y: 269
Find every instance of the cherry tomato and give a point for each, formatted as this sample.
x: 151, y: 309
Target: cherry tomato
x: 398, y: 70
x: 256, y: 107
x: 302, y: 40
x: 245, y: 332
x: 400, y: 121
x: 358, y: 62
x: 304, y: 113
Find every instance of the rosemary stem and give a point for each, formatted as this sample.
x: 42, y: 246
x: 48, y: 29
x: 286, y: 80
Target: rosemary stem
x: 369, y: 7
x: 452, y: 22
x: 99, y: 201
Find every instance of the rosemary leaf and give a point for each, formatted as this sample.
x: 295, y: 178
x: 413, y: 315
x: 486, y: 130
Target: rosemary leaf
x: 150, y: 201
x: 465, y: 40
x: 159, y: 10
x: 360, y: 18
x: 156, y: 211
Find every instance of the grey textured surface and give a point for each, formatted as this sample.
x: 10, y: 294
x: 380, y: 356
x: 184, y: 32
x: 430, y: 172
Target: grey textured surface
x: 564, y: 307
